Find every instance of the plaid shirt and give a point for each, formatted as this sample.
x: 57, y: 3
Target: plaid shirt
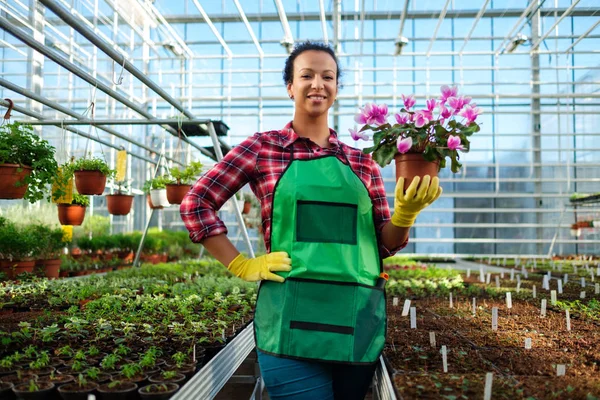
x: 260, y: 160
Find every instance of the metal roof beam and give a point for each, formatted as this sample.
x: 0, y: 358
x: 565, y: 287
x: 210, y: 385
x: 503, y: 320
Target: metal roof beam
x: 287, y: 30
x: 212, y: 27
x: 563, y: 16
x: 525, y: 13
x: 583, y: 36
x: 403, y: 18
x: 323, y: 21
x: 248, y: 27
x: 437, y: 27
x: 477, y: 19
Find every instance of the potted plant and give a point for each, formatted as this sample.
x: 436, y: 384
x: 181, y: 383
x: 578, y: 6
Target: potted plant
x: 33, y: 390
x: 117, y: 390
x: 162, y: 391
x: 181, y: 181
x: 52, y: 244
x: 78, y: 390
x: 27, y: 164
x: 167, y: 377
x: 420, y: 141
x: 119, y: 203
x: 18, y: 249
x: 74, y: 213
x: 90, y: 175
x: 250, y: 200
x: 156, y: 188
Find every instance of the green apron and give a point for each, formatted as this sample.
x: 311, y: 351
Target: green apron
x: 328, y: 308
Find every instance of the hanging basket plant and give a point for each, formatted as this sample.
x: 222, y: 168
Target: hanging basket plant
x: 74, y: 213
x: 181, y: 181
x: 90, y: 175
x: 27, y: 164
x: 158, y: 193
x: 119, y: 203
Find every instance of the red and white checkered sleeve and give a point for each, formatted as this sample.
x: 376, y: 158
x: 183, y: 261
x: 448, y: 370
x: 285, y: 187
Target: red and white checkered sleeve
x: 199, y: 207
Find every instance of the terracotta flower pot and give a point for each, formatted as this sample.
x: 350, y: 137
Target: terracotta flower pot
x: 119, y: 204
x: 151, y: 205
x: 71, y: 214
x: 9, y: 176
x: 410, y: 165
x: 247, y: 207
x: 176, y: 193
x: 13, y: 268
x: 52, y: 268
x: 90, y: 182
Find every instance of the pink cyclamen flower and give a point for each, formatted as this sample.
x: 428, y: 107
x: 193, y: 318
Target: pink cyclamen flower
x: 356, y: 135
x: 404, y: 144
x: 470, y: 112
x: 402, y: 118
x: 372, y: 114
x: 430, y: 104
x: 421, y: 118
x: 445, y: 112
x: 409, y: 101
x: 454, y: 143
x: 447, y: 92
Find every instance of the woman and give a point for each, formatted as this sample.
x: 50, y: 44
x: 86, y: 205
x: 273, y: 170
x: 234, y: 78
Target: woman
x: 320, y: 318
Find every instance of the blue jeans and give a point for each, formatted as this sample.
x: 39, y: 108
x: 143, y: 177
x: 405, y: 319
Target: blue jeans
x: 309, y: 380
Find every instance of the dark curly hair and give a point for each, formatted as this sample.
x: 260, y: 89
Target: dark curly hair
x: 288, y: 70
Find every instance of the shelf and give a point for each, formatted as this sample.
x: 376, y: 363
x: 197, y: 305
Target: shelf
x: 591, y: 199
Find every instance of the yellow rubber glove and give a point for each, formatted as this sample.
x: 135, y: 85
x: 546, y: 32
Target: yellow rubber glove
x: 261, y: 267
x: 407, y: 205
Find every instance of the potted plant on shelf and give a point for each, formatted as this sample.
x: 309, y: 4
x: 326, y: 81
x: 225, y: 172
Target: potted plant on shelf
x: 420, y: 140
x: 156, y: 188
x: 181, y: 181
x: 27, y: 164
x: 119, y: 203
x: 74, y: 213
x: 51, y: 242
x: 90, y: 175
x: 156, y: 391
x: 249, y: 201
x: 18, y: 249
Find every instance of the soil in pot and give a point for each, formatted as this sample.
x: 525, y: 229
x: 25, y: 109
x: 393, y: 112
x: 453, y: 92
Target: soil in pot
x: 57, y: 380
x: 165, y: 377
x: 71, y: 214
x: 176, y: 193
x: 33, y: 390
x: 9, y: 176
x: 75, y: 391
x: 410, y: 165
x: 17, y: 380
x: 118, y: 390
x: 158, y: 391
x: 90, y: 182
x: 119, y: 204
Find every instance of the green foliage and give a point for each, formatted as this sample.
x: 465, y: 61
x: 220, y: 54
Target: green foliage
x: 159, y: 182
x: 18, y: 243
x: 187, y: 175
x: 168, y: 375
x: 50, y: 241
x: 80, y: 200
x: 20, y: 145
x: 88, y: 164
x: 33, y: 387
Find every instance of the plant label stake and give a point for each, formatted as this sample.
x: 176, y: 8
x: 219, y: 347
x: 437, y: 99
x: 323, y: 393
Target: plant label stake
x: 598, y: 270
x: 413, y: 318
x: 524, y: 272
x: 582, y: 282
x: 406, y: 307
x: 487, y: 391
x: 519, y: 280
x: 560, y: 290
x: 518, y: 287
x: 91, y: 397
x: 597, y: 288
x: 488, y: 278
x: 432, y: 339
x: 560, y: 369
x: 568, y: 320
x: 497, y: 282
x: 494, y: 318
x: 445, y: 358
x: 395, y: 302
x: 468, y: 272
x: 575, y: 269
x: 512, y: 274
x: 474, y: 306
x: 566, y: 278
x: 194, y: 353
x: 534, y: 293
x: 504, y: 262
x: 544, y: 301
x: 553, y: 297
x: 582, y: 294
x: 545, y: 284
x: 592, y: 275
x: 508, y: 300
x: 451, y: 302
x: 481, y: 275
x: 501, y: 275
x: 528, y: 343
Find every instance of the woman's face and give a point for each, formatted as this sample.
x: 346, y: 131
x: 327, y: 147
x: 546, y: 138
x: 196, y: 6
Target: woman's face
x: 314, y: 85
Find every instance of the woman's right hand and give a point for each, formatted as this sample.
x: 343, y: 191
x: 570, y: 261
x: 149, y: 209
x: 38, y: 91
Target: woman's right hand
x: 261, y: 267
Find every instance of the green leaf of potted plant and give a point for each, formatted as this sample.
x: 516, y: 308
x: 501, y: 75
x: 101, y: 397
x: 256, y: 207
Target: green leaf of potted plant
x: 74, y: 213
x: 18, y: 247
x: 181, y: 181
x: 420, y: 141
x: 90, y: 175
x: 51, y: 241
x: 120, y: 203
x: 27, y: 164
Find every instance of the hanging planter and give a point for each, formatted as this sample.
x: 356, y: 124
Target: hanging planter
x: 151, y: 205
x: 74, y: 213
x: 12, y: 181
x: 159, y: 198
x: 119, y: 204
x: 176, y: 193
x: 90, y: 175
x: 27, y: 164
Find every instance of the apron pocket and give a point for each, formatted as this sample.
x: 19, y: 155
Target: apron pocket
x: 369, y: 337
